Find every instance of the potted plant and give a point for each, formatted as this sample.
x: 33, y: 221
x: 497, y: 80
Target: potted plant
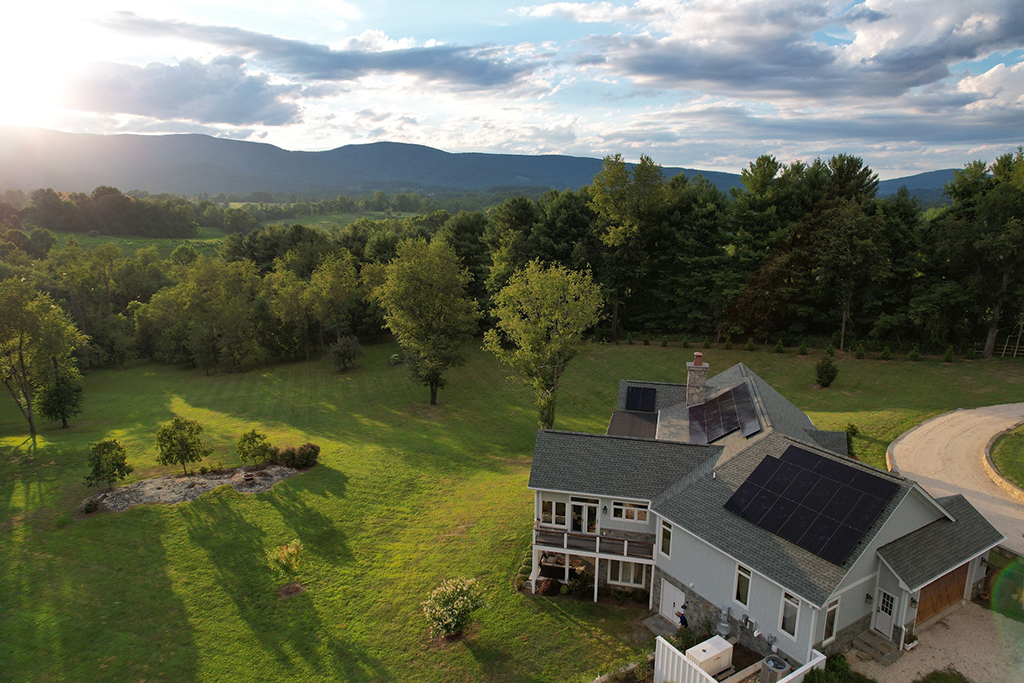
x: 910, y: 642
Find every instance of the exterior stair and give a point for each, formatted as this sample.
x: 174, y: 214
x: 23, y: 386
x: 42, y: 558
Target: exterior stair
x: 880, y: 649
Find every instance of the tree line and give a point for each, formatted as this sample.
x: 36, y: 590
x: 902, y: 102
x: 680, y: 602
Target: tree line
x: 800, y: 251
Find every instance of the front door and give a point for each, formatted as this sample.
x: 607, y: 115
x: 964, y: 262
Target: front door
x: 884, y: 610
x: 672, y: 601
x: 584, y: 517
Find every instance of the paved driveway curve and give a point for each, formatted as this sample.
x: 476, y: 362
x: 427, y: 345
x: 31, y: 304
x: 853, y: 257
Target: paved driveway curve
x: 944, y: 456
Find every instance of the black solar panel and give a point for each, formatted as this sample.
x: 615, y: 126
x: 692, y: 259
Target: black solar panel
x: 641, y: 399
x: 724, y: 414
x: 821, y: 505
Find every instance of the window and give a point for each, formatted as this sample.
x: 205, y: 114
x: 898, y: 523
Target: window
x: 634, y: 512
x: 552, y: 512
x: 742, y: 593
x: 831, y: 612
x: 628, y: 573
x: 790, y: 611
x: 666, y: 538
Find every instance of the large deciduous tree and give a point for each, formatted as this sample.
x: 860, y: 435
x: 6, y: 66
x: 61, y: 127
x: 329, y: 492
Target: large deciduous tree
x: 980, y: 240
x: 543, y: 312
x: 36, y: 342
x: 627, y: 202
x: 423, y: 294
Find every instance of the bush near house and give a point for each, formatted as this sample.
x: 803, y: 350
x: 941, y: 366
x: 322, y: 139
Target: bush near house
x: 450, y: 607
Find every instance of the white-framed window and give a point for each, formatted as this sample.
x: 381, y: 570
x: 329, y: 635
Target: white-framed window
x: 626, y: 573
x: 831, y: 615
x: 666, y: 539
x: 790, y: 614
x: 742, y: 592
x: 633, y: 512
x: 552, y: 512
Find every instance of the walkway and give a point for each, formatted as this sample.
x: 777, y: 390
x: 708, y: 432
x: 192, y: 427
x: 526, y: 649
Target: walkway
x: 985, y: 646
x: 944, y: 455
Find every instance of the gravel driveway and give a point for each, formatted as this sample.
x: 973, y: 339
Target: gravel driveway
x: 984, y: 646
x: 944, y: 455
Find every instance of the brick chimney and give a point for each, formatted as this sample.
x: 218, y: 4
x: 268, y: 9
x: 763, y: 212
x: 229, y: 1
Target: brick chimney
x: 696, y: 380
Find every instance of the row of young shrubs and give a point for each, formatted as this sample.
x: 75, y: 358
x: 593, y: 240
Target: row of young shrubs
x: 860, y: 351
x: 254, y: 447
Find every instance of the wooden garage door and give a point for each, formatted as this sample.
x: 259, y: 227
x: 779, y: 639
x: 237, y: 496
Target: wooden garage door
x: 941, y: 593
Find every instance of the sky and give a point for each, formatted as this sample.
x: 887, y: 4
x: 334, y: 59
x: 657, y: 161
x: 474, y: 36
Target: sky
x: 909, y: 86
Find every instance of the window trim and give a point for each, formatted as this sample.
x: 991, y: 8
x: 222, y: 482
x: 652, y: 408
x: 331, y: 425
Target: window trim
x: 795, y: 601
x: 833, y: 605
x: 622, y: 507
x: 632, y: 566
x: 554, y: 512
x: 741, y: 570
x: 665, y: 526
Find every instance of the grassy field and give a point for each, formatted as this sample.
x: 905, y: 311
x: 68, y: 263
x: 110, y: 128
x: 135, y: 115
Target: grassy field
x: 326, y: 220
x: 1008, y: 456
x: 407, y: 495
x: 206, y: 243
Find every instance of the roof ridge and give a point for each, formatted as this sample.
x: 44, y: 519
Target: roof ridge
x: 629, y: 438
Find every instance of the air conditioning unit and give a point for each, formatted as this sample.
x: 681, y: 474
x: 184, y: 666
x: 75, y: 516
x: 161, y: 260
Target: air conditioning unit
x: 713, y: 656
x: 774, y: 669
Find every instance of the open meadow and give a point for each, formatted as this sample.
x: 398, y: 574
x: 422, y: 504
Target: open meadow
x: 207, y: 242
x: 406, y: 495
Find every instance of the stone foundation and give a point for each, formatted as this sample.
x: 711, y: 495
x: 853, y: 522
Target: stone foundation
x: 698, y: 611
x: 845, y: 637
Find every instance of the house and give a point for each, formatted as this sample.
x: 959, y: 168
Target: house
x: 721, y: 500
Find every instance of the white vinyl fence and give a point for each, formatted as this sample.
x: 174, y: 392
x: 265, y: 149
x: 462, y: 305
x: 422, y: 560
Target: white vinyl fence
x: 672, y: 666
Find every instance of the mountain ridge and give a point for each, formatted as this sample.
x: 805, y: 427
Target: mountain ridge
x: 192, y: 164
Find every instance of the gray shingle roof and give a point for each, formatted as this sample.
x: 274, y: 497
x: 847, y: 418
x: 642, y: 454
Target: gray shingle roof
x: 599, y: 464
x: 668, y: 393
x: 624, y: 423
x: 923, y: 555
x: 699, y: 509
x: 833, y: 441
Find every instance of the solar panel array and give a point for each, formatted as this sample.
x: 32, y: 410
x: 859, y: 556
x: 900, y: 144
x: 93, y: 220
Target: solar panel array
x: 724, y: 414
x: 819, y: 504
x: 641, y: 399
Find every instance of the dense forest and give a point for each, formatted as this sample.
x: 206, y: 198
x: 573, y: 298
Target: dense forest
x: 800, y: 252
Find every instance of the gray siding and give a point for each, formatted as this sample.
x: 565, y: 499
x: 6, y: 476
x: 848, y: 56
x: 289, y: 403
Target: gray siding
x: 712, y: 574
x: 913, y: 512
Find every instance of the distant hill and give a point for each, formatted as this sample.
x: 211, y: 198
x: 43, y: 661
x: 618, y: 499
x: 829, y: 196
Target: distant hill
x: 193, y: 164
x: 927, y: 187
x: 32, y: 158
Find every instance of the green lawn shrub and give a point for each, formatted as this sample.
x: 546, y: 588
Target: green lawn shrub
x: 802, y: 351
x: 885, y: 354
x: 860, y: 353
x: 948, y: 356
x: 914, y: 355
x: 728, y: 343
x: 779, y: 348
x: 449, y: 609
x: 826, y: 371
x: 750, y: 345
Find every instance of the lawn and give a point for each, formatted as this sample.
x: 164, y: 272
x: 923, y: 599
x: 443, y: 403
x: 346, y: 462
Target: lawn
x: 207, y: 242
x: 1008, y: 456
x: 326, y: 220
x: 406, y: 496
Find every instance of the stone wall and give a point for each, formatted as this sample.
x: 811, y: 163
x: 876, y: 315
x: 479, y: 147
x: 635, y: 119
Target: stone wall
x: 845, y: 637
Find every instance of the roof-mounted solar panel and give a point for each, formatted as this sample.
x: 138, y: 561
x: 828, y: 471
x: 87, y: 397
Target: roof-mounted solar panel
x: 820, y: 504
x: 641, y: 399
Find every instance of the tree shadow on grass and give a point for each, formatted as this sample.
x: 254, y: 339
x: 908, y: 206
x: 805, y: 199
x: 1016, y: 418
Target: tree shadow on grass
x: 93, y: 601
x: 291, y: 630
x: 319, y: 534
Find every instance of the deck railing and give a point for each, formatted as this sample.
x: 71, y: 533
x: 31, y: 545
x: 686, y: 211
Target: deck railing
x: 592, y: 543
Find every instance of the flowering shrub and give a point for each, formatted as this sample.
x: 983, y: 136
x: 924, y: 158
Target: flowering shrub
x: 450, y: 606
x: 286, y: 556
